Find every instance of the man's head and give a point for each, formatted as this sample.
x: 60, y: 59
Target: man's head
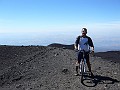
x: 84, y: 31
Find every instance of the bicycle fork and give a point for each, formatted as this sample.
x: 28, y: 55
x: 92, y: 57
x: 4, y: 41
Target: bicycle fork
x: 83, y: 65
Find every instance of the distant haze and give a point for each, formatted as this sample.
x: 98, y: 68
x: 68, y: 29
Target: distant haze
x: 103, y: 40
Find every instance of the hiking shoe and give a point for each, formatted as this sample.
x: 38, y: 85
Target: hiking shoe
x: 92, y: 75
x: 76, y: 74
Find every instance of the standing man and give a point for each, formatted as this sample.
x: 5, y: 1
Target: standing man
x: 83, y: 42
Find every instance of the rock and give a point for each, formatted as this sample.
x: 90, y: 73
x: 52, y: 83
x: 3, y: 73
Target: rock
x: 115, y: 73
x: 65, y: 70
x: 106, y: 86
x: 56, y: 54
x: 118, y: 85
x: 19, y: 86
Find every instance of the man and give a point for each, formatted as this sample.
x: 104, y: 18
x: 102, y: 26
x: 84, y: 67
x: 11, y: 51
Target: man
x: 84, y: 42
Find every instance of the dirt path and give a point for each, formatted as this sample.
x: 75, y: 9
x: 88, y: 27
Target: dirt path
x: 50, y: 68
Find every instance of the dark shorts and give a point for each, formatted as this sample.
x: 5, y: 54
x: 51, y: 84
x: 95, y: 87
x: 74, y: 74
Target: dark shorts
x: 80, y: 56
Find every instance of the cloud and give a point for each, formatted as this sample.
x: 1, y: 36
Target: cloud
x: 105, y: 25
x: 8, y: 26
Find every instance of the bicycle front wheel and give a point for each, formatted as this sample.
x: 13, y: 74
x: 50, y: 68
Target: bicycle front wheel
x: 82, y: 71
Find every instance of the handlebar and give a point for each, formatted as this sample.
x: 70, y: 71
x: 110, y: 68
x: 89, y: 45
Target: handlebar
x: 83, y: 51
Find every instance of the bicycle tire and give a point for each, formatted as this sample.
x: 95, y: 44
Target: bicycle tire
x: 82, y: 70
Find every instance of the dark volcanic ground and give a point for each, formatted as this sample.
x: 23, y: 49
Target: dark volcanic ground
x: 110, y: 55
x: 53, y: 68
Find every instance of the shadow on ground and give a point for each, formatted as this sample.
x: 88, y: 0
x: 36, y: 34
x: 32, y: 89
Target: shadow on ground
x: 98, y: 79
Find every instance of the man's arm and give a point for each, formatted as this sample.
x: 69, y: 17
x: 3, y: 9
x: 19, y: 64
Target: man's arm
x: 91, y: 44
x: 77, y: 42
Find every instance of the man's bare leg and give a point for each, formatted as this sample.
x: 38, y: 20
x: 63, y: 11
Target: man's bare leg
x: 77, y: 66
x: 89, y: 67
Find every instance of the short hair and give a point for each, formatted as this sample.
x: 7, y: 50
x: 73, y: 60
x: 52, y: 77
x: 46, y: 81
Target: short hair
x: 84, y: 29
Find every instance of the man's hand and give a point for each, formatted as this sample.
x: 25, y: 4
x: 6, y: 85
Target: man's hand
x: 92, y: 52
x: 75, y: 48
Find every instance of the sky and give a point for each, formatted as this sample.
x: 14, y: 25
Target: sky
x: 42, y: 22
x: 18, y: 16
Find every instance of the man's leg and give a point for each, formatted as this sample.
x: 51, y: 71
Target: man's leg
x: 77, y: 66
x: 88, y: 64
x: 78, y: 62
x: 89, y: 67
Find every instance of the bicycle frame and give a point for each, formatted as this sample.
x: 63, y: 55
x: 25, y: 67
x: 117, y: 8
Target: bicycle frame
x: 82, y: 65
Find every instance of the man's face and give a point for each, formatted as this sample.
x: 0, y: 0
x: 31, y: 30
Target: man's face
x: 83, y: 33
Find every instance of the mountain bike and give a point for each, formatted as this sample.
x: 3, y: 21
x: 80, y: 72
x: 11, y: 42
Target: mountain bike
x: 83, y: 65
